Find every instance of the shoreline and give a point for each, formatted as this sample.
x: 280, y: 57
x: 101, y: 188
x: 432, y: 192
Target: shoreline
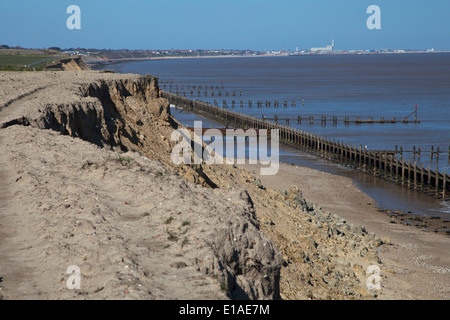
x: 135, y: 59
x: 418, y: 214
x: 106, y: 62
x: 401, y: 202
x: 433, y: 224
x: 391, y: 198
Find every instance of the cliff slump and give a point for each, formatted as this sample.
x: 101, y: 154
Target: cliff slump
x: 69, y: 64
x: 125, y: 115
x: 109, y: 114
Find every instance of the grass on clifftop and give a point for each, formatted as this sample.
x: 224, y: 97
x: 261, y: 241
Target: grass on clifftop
x: 19, y: 68
x: 20, y: 61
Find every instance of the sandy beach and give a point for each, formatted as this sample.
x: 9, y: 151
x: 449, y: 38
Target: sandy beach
x: 416, y: 263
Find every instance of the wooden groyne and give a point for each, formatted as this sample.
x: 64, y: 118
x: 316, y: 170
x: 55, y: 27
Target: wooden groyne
x: 385, y: 164
x: 334, y: 120
x: 323, y: 120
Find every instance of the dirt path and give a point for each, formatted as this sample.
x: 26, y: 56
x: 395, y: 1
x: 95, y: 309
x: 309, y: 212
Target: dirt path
x: 12, y: 273
x: 15, y: 108
x: 14, y: 241
x: 5, y: 227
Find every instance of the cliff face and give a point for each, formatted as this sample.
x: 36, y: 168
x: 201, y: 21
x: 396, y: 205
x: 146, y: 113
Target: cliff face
x: 109, y: 113
x: 69, y: 64
x: 121, y: 114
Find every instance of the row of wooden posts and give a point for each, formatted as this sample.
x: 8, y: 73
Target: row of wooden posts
x: 310, y: 119
x: 335, y: 120
x: 384, y: 164
x: 188, y: 86
x: 258, y: 104
x: 323, y: 120
x: 417, y: 152
x: 206, y: 93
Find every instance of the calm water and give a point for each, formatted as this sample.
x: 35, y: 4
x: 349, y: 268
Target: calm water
x: 358, y: 85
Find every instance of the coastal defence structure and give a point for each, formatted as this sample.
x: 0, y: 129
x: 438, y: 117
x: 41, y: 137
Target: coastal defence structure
x: 199, y: 91
x: 385, y: 164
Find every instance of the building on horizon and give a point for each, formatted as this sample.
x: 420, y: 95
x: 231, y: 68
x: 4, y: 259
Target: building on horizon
x: 328, y: 48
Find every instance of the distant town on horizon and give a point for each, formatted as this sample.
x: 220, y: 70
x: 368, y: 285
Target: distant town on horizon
x: 150, y: 53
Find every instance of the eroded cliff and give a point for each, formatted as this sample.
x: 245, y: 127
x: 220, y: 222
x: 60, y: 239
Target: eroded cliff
x: 323, y: 256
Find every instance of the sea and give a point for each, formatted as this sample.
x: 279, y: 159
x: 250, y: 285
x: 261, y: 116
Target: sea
x: 411, y: 86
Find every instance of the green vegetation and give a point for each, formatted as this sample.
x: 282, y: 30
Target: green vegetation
x: 124, y: 159
x: 19, y: 68
x: 27, y: 60
x: 223, y: 286
x: 168, y: 220
x: 21, y: 60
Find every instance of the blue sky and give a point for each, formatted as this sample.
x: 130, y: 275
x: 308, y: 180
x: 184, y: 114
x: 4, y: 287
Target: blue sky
x: 226, y: 24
